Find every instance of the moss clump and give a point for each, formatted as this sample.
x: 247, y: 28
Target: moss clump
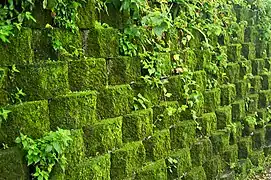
x: 228, y: 94
x: 66, y: 37
x: 243, y: 168
x: 238, y: 110
x: 31, y: 119
x: 42, y: 45
x: 137, y: 125
x: 261, y: 47
x: 73, y: 111
x: 127, y: 160
x: 213, y: 167
x: 264, y: 98
x: 123, y: 70
x: 232, y: 72
x: 103, y: 136
x: 256, y: 84
x: 86, y: 15
x: 182, y: 166
x: 75, y: 154
x: 158, y: 145
x: 94, y: 75
x: 154, y: 170
x: 248, y: 50
x: 211, y: 100
x: 244, y: 147
x: 93, y: 168
x: 252, y: 104
x: 230, y: 155
x: 234, y: 52
x: 245, y: 68
x: 196, y: 173
x: 266, y: 81
x: 42, y: 81
x: 268, y: 134
x: 163, y: 117
x: 197, y: 153
x: 201, y: 80
x: 250, y: 34
x: 174, y: 85
x: 114, y: 101
x: 220, y: 141
x: 165, y: 63
x: 257, y: 66
x: 97, y: 42
x: 208, y: 123
x: 241, y: 89
x: 19, y: 50
x: 257, y: 158
x: 224, y: 116
x: 12, y: 164
x: 183, y: 134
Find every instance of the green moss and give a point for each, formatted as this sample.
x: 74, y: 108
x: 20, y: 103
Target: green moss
x: 238, y: 110
x: 137, y: 125
x: 252, y: 103
x: 41, y: 15
x: 93, y: 78
x: 261, y: 118
x: 190, y: 59
x: 158, y: 145
x: 103, y: 136
x: 267, y: 62
x: 197, y: 156
x: 257, y: 158
x: 208, y: 123
x: 243, y: 168
x: 182, y: 166
x: 250, y: 34
x: 245, y: 68
x: 224, y: 116
x: 230, y: 156
x: 3, y: 77
x: 123, y: 70
x: 154, y: 170
x: 18, y: 51
x: 257, y: 66
x: 248, y: 50
x: 264, y: 98
x: 232, y: 72
x: 213, y: 167
x: 241, y: 89
x: 13, y: 165
x: 244, y: 147
x: 228, y: 94
x: 200, y: 78
x: 183, y: 134
x: 86, y: 15
x: 234, y: 52
x: 174, y: 86
x: 4, y: 100
x: 31, y: 119
x: 152, y: 94
x: 66, y: 37
x: 73, y: 111
x: 42, y: 45
x: 266, y: 81
x: 258, y: 139
x: 97, y: 42
x: 93, y: 168
x: 220, y: 141
x: 256, y: 84
x: 127, y: 160
x: 196, y: 173
x: 211, y: 100
x: 268, y: 134
x: 165, y: 63
x: 74, y: 154
x: 236, y: 131
x: 42, y: 81
x: 261, y: 47
x: 114, y: 101
x: 163, y: 117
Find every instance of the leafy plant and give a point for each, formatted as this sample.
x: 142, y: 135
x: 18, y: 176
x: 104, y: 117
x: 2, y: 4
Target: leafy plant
x: 45, y: 152
x: 141, y: 102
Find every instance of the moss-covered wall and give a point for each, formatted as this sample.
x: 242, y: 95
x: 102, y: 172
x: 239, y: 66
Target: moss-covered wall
x: 94, y: 97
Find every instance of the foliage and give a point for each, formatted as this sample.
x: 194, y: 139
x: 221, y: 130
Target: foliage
x: 141, y: 102
x: 44, y: 153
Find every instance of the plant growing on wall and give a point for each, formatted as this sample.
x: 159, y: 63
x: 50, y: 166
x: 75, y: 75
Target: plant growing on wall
x: 45, y: 152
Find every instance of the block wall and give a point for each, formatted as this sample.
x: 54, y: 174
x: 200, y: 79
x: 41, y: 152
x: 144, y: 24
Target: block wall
x: 93, y: 97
